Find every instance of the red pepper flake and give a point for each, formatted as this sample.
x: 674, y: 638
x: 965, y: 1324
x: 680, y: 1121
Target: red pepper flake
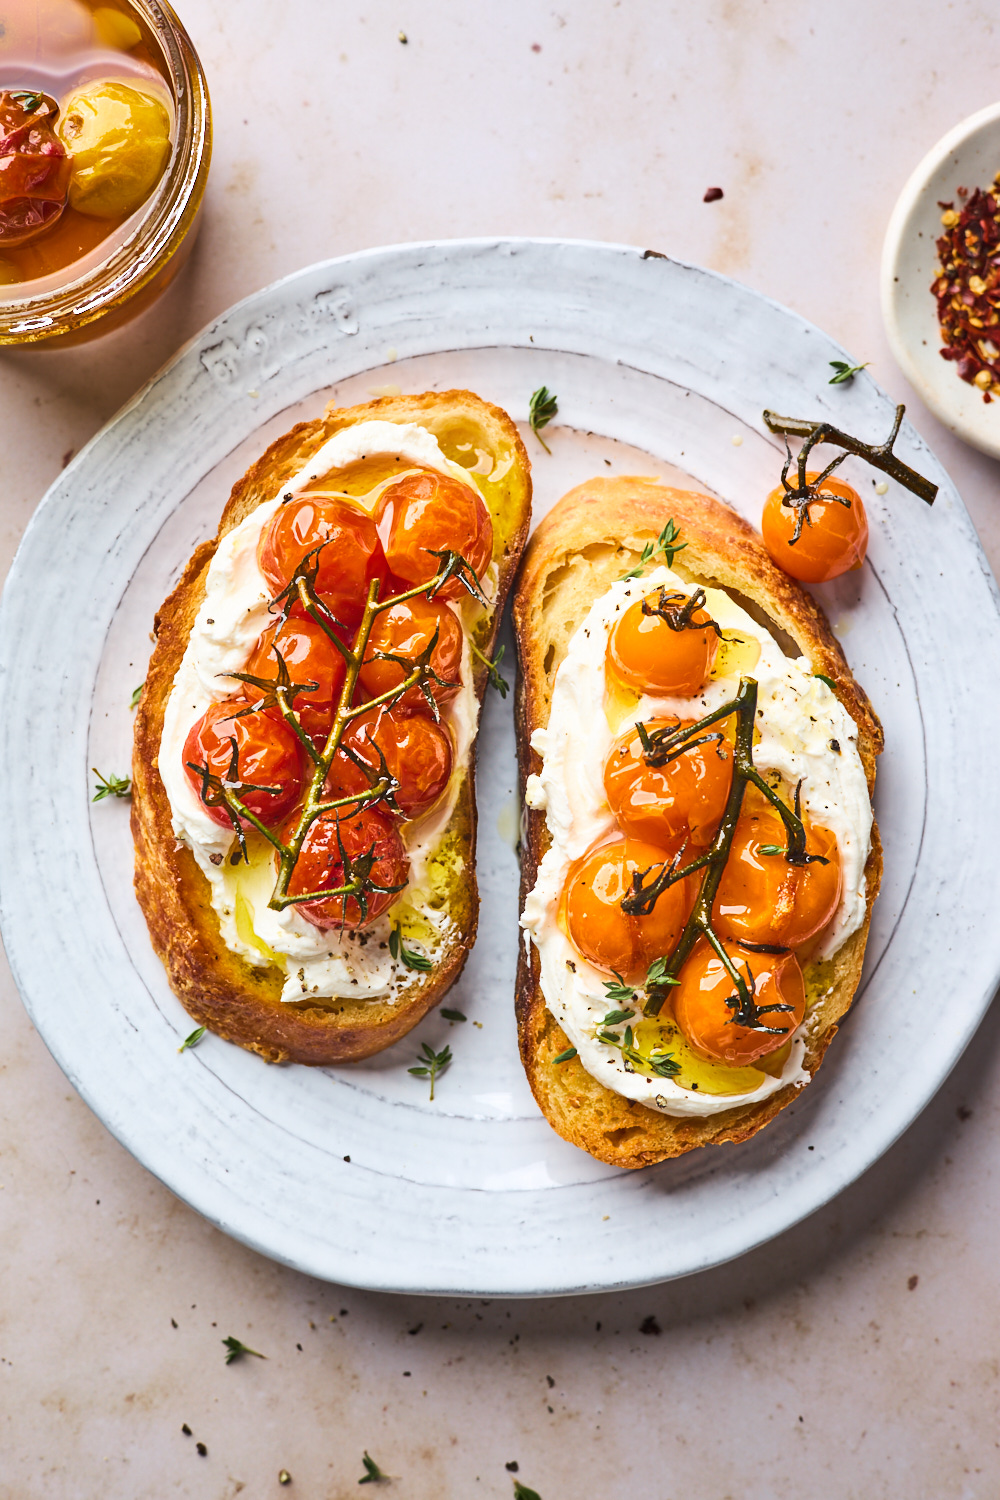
x: 967, y: 287
x: 712, y: 195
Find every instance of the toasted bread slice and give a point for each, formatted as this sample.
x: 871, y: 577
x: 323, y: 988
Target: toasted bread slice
x: 589, y: 540
x: 219, y: 988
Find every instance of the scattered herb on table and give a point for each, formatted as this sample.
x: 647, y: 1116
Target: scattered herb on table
x: 522, y: 1492
x: 541, y: 409
x: 431, y: 1064
x: 110, y: 786
x: 843, y: 372
x: 234, y: 1349
x: 454, y: 1015
x: 193, y: 1039
x: 373, y: 1474
x: 136, y: 695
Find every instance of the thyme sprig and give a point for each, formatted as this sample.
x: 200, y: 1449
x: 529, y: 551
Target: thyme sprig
x: 373, y: 1474
x: 843, y: 372
x: 501, y: 684
x: 408, y: 957
x: 431, y: 1064
x: 659, y: 1062
x: 880, y: 455
x: 666, y: 543
x: 643, y: 895
x: 541, y: 409
x: 227, y: 791
x: 235, y: 1349
x: 110, y: 786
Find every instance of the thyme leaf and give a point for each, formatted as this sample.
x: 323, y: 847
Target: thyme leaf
x: 431, y: 1064
x: 658, y: 1062
x: 133, y: 702
x: 541, y: 409
x: 409, y: 957
x: 828, y: 680
x: 564, y: 1056
x: 666, y: 543
x: 617, y: 989
x: 192, y: 1040
x: 495, y: 680
x: 235, y: 1349
x: 373, y: 1474
x: 522, y: 1492
x: 770, y: 849
x: 616, y: 1017
x: 110, y: 786
x: 453, y: 1015
x: 845, y: 372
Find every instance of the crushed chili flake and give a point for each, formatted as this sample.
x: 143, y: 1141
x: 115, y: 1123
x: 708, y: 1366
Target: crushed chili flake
x: 967, y: 287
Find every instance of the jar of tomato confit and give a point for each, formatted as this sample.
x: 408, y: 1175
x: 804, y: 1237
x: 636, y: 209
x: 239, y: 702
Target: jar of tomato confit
x: 105, y: 143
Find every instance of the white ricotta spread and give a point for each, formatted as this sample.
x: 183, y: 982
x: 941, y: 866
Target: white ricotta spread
x: 231, y: 618
x: 800, y: 717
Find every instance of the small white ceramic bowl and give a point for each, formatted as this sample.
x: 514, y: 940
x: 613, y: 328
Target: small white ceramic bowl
x: 968, y: 155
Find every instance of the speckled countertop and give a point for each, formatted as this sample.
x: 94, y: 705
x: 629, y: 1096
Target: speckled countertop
x: 858, y: 1355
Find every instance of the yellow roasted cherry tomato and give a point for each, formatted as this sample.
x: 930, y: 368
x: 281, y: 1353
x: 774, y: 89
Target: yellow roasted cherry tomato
x: 119, y: 140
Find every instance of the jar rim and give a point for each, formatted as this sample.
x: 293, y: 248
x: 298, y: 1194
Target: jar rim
x: 171, y: 209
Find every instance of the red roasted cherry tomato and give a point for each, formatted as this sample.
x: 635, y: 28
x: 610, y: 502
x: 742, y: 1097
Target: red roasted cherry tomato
x: 417, y: 751
x: 834, y: 538
x: 311, y: 657
x: 268, y: 755
x: 660, y: 803
x: 350, y: 559
x: 34, y: 168
x: 406, y: 630
x: 426, y: 513
x: 656, y: 648
x: 320, y: 866
x: 595, y: 923
x: 706, y: 1003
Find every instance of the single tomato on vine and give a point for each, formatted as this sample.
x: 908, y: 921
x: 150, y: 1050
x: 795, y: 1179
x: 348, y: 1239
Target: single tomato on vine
x: 350, y: 557
x: 268, y: 755
x: 662, y: 803
x: 406, y: 630
x: 310, y: 658
x: 764, y: 899
x: 595, y: 923
x: 417, y: 751
x: 664, y: 645
x: 425, y: 513
x: 833, y: 536
x: 708, y: 1011
x: 320, y: 866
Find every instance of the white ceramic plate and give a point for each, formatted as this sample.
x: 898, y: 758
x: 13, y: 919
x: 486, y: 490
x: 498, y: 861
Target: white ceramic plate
x: 968, y: 156
x: 656, y: 364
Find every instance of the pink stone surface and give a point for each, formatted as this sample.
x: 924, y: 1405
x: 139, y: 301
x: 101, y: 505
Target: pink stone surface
x: 857, y: 1356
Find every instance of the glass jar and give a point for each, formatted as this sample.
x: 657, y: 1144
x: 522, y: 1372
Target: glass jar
x: 121, y: 277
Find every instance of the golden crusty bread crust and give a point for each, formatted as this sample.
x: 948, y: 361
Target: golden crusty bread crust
x: 591, y: 538
x: 219, y: 989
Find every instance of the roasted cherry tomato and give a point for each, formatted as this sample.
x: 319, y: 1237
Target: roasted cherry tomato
x: 406, y: 630
x: 417, y: 751
x: 311, y: 657
x: 426, y: 513
x: 834, y: 537
x: 597, y: 926
x: 269, y: 755
x: 657, y: 647
x: 320, y: 866
x: 661, y: 803
x: 706, y: 1003
x: 34, y: 167
x: 764, y: 899
x: 350, y: 559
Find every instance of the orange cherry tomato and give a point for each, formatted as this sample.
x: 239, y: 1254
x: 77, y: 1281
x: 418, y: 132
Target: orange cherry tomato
x: 597, y: 926
x: 426, y: 513
x: 320, y: 866
x: 709, y: 1023
x: 311, y: 657
x: 417, y: 751
x: 650, y: 651
x: 764, y: 899
x: 269, y: 755
x: 662, y: 803
x: 350, y: 559
x: 834, y: 536
x: 407, y: 629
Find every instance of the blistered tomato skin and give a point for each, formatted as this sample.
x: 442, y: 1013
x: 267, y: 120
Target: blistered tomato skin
x: 350, y: 557
x: 406, y: 630
x: 764, y: 899
x: 119, y: 139
x: 417, y: 751
x: 833, y: 541
x: 595, y: 923
x: 269, y: 754
x: 426, y: 513
x: 311, y: 658
x: 34, y: 167
x: 661, y: 803
x: 707, y: 1021
x: 320, y: 866
x: 647, y: 654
